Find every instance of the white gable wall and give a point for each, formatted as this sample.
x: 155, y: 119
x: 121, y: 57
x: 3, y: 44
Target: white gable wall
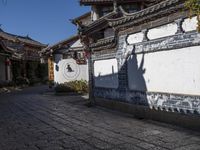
x: 76, y: 44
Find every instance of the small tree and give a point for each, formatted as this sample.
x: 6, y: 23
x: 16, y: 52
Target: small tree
x: 194, y: 9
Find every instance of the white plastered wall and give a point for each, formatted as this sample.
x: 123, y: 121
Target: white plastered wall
x: 94, y: 14
x: 162, y: 31
x: 62, y: 73
x: 106, y: 73
x: 175, y: 71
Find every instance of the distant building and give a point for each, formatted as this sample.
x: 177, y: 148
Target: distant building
x: 19, y: 57
x: 67, y: 61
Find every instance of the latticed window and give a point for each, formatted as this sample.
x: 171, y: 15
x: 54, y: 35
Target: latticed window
x: 78, y: 55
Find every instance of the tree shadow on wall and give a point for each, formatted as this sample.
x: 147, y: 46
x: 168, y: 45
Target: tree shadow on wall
x: 131, y: 88
x: 136, y: 81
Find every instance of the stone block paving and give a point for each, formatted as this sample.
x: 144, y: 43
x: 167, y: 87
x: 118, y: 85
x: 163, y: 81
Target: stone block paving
x: 33, y: 120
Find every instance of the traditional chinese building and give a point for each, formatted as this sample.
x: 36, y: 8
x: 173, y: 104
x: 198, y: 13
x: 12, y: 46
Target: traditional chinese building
x: 67, y: 61
x: 144, y: 58
x: 5, y: 63
x: 19, y: 57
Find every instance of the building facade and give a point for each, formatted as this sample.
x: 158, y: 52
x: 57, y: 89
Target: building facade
x: 19, y: 57
x: 144, y: 53
x: 67, y: 61
x: 5, y: 64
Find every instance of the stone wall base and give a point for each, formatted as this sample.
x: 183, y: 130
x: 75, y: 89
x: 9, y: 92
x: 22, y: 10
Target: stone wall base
x: 189, y: 121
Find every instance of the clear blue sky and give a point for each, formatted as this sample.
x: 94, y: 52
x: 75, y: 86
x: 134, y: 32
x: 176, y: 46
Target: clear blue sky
x: 44, y: 20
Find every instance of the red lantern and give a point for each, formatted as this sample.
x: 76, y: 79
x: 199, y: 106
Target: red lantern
x: 86, y: 54
x: 8, y: 62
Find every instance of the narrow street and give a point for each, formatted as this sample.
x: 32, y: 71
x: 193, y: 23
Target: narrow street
x: 35, y: 120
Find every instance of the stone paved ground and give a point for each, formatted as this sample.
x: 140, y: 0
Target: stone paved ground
x: 30, y: 120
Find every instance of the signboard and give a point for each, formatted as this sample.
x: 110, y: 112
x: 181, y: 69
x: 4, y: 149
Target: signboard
x: 51, y: 69
x: 81, y: 61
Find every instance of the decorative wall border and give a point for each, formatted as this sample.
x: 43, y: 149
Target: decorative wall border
x: 177, y: 41
x: 103, y: 56
x: 188, y: 104
x: 108, y: 93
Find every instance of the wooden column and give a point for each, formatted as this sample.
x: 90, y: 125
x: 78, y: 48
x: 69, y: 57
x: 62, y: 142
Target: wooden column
x: 7, y: 69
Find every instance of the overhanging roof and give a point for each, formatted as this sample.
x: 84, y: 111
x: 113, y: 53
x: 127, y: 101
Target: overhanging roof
x: 142, y: 15
x: 63, y: 45
x: 23, y: 39
x: 96, y: 2
x: 132, y: 18
x: 99, y: 24
x: 81, y: 17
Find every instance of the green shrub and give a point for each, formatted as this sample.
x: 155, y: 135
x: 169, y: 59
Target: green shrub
x: 194, y: 9
x: 78, y: 86
x: 4, y: 84
x: 22, y: 81
x: 45, y: 80
x: 34, y: 80
x: 63, y: 88
x: 10, y: 84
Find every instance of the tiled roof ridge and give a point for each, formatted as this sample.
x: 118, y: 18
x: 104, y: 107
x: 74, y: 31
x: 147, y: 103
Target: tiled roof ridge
x: 68, y: 40
x: 102, y: 19
x: 7, y: 49
x: 88, y: 2
x: 82, y: 16
x: 128, y: 17
x: 25, y: 39
x: 104, y: 41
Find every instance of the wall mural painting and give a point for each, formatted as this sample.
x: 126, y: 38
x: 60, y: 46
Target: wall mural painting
x: 70, y: 70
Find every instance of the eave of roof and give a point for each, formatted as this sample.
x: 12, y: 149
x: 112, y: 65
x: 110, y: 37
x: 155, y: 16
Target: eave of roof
x: 6, y: 49
x: 81, y: 17
x: 100, y: 23
x: 61, y: 43
x: 103, y: 2
x: 144, y: 13
x: 103, y: 42
x: 24, y: 39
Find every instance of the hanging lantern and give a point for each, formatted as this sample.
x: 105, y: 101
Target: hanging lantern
x: 8, y: 62
x: 86, y: 54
